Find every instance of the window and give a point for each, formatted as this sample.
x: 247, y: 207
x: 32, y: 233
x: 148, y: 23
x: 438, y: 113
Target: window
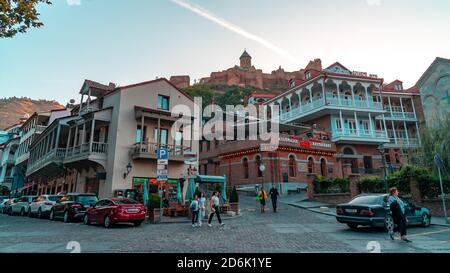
x: 245, y: 165
x: 310, y: 165
x: 338, y: 125
x: 398, y: 87
x: 308, y: 76
x: 164, y: 135
x: 139, y: 134
x: 258, y: 164
x: 323, y: 167
x: 163, y: 102
x: 292, y: 166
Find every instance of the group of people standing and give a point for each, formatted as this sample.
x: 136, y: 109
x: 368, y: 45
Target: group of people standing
x: 198, y: 208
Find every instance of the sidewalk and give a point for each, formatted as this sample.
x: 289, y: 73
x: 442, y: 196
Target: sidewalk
x: 182, y: 220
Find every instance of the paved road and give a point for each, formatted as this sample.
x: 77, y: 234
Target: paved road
x: 291, y: 230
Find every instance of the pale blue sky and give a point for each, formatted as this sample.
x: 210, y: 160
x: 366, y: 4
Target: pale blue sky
x: 136, y: 40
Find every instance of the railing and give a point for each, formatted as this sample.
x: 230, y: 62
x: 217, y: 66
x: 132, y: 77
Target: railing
x: 404, y: 142
x: 87, y: 149
x: 359, y: 133
x: 367, y: 171
x: 10, y: 160
x: 89, y: 109
x: 296, y: 110
x: 400, y: 115
x: 52, y: 156
x: 151, y: 148
x: 40, y: 128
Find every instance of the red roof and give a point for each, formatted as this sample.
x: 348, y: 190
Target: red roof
x: 262, y: 95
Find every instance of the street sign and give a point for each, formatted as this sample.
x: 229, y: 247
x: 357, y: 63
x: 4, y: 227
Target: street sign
x: 262, y: 168
x: 162, y: 177
x: 162, y: 172
x: 438, y: 161
x: 163, y: 162
x: 161, y: 167
x: 162, y: 154
x: 190, y: 162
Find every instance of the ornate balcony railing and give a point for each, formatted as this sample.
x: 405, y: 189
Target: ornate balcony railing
x: 148, y: 150
x: 362, y: 134
x: 86, y: 149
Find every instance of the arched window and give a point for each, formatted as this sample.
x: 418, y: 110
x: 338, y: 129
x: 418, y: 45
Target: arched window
x: 348, y: 151
x: 245, y: 165
x: 323, y: 167
x: 310, y: 165
x: 258, y: 164
x: 292, y: 166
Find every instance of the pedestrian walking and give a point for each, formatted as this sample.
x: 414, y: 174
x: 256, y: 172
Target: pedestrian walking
x: 215, y: 209
x: 397, y: 208
x: 202, y: 205
x: 262, y: 195
x: 274, y: 197
x: 194, y: 209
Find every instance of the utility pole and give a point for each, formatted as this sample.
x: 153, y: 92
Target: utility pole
x: 440, y: 165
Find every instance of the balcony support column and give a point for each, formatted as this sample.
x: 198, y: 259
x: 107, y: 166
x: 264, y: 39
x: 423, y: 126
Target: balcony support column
x: 299, y: 94
x: 385, y: 127
x: 289, y: 97
x: 414, y: 108
x: 158, y: 141
x: 342, y: 121
x: 58, y: 132
x: 142, y: 133
x: 395, y: 132
x: 324, y: 91
x: 390, y: 107
x: 353, y: 94
x: 68, y: 140
x: 310, y: 96
x: 81, y: 105
x: 83, y: 140
x: 418, y: 133
x: 358, y: 132
x: 75, y: 140
x: 401, y: 105
x: 91, y: 140
x: 372, y: 128
x: 367, y: 96
x: 338, y: 92
x: 406, y: 131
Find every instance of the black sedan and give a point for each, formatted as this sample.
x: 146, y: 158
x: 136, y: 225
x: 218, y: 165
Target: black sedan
x: 373, y: 210
x: 72, y: 206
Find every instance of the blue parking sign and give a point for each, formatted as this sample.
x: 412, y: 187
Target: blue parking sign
x: 162, y: 154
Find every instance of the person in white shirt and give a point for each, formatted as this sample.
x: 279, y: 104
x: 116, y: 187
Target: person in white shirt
x: 202, y: 205
x: 215, y: 209
x: 195, y: 209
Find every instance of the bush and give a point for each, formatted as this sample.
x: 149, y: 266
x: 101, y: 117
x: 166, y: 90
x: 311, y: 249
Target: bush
x: 323, y: 185
x: 373, y: 184
x: 153, y: 202
x: 234, y: 197
x: 432, y: 188
x: 402, y: 178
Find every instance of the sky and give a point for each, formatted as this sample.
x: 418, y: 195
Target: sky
x: 131, y: 41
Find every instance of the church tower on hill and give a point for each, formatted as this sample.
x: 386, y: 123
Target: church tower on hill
x: 246, y: 60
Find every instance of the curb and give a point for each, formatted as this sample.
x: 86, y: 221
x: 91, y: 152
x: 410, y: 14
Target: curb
x: 315, y: 211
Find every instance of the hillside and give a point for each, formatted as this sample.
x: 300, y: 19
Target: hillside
x: 12, y: 109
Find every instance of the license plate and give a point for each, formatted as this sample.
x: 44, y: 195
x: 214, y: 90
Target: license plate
x: 132, y: 210
x: 351, y: 210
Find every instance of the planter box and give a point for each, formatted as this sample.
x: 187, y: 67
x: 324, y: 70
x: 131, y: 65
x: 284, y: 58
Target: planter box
x: 234, y: 207
x: 153, y: 216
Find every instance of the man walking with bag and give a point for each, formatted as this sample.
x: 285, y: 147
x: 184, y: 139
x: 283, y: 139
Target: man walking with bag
x: 274, y: 197
x: 215, y: 209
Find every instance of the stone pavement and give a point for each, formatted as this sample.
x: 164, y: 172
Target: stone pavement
x: 290, y: 230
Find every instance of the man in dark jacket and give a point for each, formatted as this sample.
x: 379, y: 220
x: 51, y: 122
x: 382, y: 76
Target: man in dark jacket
x: 274, y: 196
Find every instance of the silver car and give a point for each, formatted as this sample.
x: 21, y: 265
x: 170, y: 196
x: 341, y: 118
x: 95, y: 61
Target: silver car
x: 43, y: 205
x: 21, y: 206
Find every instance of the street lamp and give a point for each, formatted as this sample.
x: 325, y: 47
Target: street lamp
x: 381, y: 149
x: 262, y: 168
x: 129, y: 167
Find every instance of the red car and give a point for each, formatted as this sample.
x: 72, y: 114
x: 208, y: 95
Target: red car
x: 108, y: 212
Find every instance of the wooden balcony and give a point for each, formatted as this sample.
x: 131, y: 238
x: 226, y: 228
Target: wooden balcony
x: 148, y: 151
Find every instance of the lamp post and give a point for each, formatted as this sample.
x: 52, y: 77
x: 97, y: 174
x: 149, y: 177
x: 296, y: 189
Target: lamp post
x: 381, y: 149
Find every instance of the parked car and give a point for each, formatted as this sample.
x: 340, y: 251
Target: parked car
x: 72, y: 206
x: 42, y: 206
x: 373, y: 210
x: 3, y: 205
x: 108, y: 212
x: 21, y: 206
x: 2, y: 198
x: 7, y: 205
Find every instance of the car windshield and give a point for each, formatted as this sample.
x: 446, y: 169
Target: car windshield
x: 367, y: 200
x: 125, y: 202
x: 54, y: 198
x: 87, y: 199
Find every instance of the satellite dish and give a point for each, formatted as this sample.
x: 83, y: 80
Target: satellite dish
x: 72, y: 101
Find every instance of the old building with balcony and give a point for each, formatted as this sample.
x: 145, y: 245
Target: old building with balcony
x: 355, y: 109
x: 109, y: 141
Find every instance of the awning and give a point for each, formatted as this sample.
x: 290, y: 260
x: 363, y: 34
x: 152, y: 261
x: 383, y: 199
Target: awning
x: 210, y: 179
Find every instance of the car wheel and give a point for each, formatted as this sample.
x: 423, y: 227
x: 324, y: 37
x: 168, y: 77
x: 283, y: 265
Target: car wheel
x: 136, y: 224
x: 66, y: 217
x: 86, y: 220
x: 52, y: 215
x: 39, y: 214
x: 22, y: 212
x: 426, y: 221
x: 389, y: 223
x: 107, y: 222
x: 353, y: 226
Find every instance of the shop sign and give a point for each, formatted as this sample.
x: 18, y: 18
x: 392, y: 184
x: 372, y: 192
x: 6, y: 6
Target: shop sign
x: 139, y: 180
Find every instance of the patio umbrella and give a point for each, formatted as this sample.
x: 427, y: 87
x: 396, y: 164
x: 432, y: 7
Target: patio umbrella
x: 191, y: 189
x: 224, y: 190
x: 179, y: 196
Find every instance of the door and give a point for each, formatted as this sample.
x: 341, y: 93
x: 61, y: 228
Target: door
x: 351, y: 126
x: 94, y: 215
x: 368, y: 164
x: 92, y: 185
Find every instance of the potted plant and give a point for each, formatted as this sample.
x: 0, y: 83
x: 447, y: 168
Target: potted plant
x: 234, y: 200
x: 153, y: 208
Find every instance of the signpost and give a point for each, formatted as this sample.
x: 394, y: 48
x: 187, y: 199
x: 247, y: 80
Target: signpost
x: 162, y: 174
x: 440, y: 165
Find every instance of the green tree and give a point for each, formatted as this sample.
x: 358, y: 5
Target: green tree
x: 206, y: 92
x: 18, y: 16
x: 436, y: 139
